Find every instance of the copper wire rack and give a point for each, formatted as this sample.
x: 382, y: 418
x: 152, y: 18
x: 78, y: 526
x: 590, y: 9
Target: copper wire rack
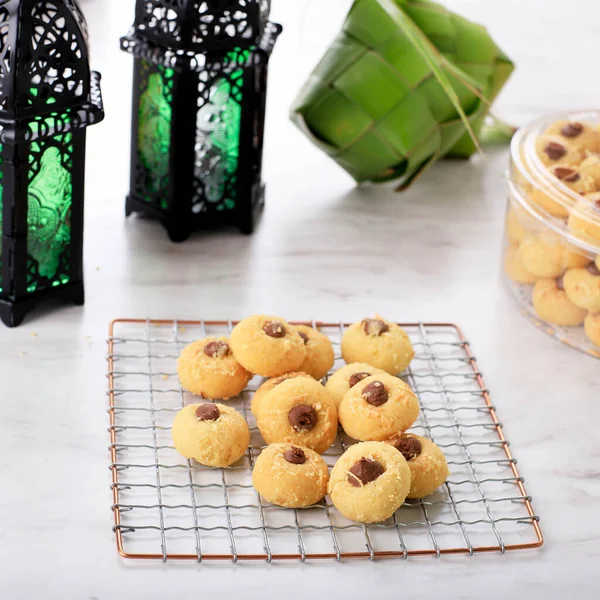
x: 169, y: 508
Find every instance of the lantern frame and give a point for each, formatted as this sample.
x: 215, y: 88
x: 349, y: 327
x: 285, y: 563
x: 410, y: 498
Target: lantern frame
x: 183, y: 179
x: 48, y: 97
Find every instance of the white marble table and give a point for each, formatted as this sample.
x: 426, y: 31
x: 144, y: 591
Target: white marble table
x: 327, y: 250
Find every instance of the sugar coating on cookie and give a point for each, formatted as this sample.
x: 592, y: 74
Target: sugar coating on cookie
x: 427, y: 463
x: 554, y: 150
x: 347, y: 377
x: 584, y: 220
x: 592, y: 328
x: 379, y: 343
x: 208, y: 369
x: 551, y: 304
x: 267, y: 346
x: 582, y: 287
x: 377, y: 407
x: 319, y: 352
x: 577, y: 134
x: 214, y: 435
x: 369, y: 482
x: 268, y: 385
x: 290, y: 476
x: 298, y: 411
x: 514, y: 269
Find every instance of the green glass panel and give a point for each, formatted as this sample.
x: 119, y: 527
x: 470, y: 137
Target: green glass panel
x: 218, y: 126
x: 154, y: 133
x: 50, y: 196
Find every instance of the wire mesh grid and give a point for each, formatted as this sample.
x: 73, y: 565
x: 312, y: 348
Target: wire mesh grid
x: 166, y: 507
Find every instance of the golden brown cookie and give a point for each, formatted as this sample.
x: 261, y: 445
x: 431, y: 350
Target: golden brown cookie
x: 377, y: 407
x: 574, y: 179
x: 369, y: 482
x: 427, y: 463
x: 578, y: 135
x: 515, y: 269
x: 214, y: 435
x: 268, y: 385
x: 347, y: 377
x: 592, y: 328
x: 518, y: 224
x: 549, y: 255
x: 208, y: 368
x: 319, y: 352
x: 591, y: 167
x: 298, y: 411
x: 584, y: 220
x: 267, y: 346
x: 551, y: 304
x: 551, y: 201
x: 554, y: 150
x: 379, y: 343
x: 290, y: 476
x: 582, y: 287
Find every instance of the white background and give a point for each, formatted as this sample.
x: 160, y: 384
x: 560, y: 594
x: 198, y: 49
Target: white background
x: 327, y: 250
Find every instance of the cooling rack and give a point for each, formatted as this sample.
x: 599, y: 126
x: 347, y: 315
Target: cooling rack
x: 168, y: 508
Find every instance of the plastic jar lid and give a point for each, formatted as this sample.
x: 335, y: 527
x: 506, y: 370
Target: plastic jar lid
x: 528, y: 173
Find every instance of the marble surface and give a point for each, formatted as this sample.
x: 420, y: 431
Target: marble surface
x: 324, y: 249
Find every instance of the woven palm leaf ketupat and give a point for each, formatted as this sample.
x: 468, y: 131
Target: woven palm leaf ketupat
x: 397, y: 88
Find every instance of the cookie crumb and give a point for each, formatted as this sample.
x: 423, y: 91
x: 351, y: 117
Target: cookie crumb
x: 34, y: 334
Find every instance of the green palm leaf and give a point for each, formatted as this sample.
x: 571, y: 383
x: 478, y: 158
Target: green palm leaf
x: 404, y: 83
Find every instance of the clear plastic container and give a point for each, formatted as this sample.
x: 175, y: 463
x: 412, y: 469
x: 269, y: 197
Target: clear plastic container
x: 552, y: 233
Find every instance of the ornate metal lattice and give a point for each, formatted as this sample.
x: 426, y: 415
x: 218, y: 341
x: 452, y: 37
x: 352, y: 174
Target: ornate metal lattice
x: 5, y: 51
x: 58, y: 75
x: 199, y: 63
x: 202, y: 23
x: 154, y: 133
x: 218, y: 127
x: 50, y: 196
x: 48, y: 96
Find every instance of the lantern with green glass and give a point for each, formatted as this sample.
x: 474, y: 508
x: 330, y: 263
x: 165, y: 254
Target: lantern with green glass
x: 199, y: 96
x: 48, y: 97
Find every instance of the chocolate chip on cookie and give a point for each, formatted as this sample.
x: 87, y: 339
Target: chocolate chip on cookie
x: 357, y: 377
x: 274, y: 329
x: 593, y: 269
x: 554, y: 150
x: 572, y: 130
x: 216, y: 349
x: 207, y: 412
x: 302, y: 418
x: 365, y: 471
x: 295, y: 456
x: 567, y: 174
x: 375, y: 326
x: 375, y: 393
x: 410, y: 447
x: 303, y: 336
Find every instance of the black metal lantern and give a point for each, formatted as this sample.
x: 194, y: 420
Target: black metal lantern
x: 199, y: 92
x: 48, y: 96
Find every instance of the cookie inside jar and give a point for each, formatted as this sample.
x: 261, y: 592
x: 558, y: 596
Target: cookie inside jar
x: 552, y: 227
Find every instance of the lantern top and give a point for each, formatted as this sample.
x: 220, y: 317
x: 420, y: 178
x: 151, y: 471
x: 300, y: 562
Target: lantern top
x: 202, y: 25
x: 46, y: 85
